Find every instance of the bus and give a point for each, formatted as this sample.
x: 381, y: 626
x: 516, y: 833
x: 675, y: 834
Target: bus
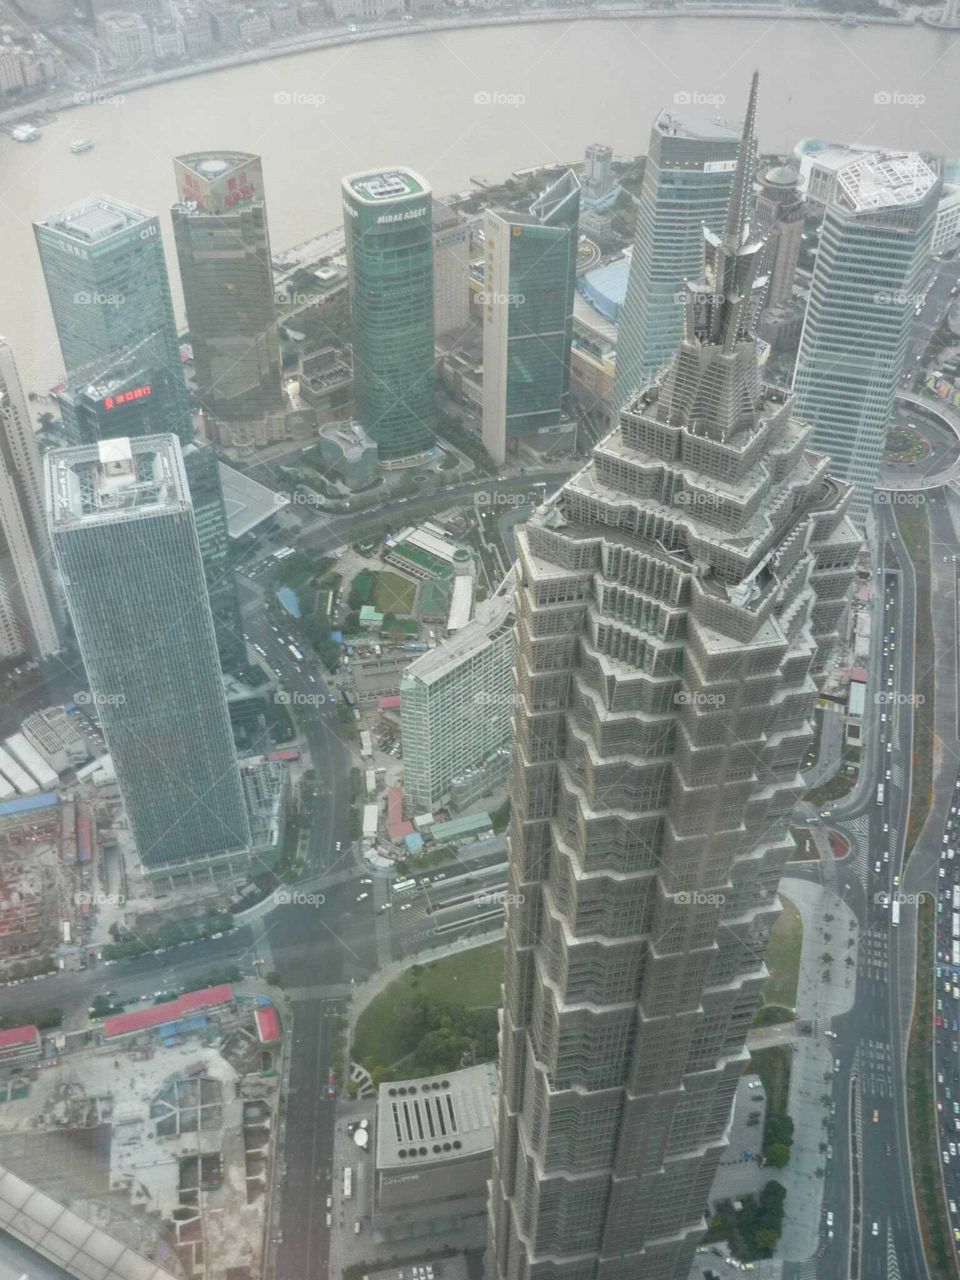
x: 880, y: 793
x: 347, y: 1183
x: 404, y: 886
x: 283, y: 553
x: 895, y: 911
x: 956, y: 897
x: 956, y: 925
x: 297, y: 653
x: 956, y: 954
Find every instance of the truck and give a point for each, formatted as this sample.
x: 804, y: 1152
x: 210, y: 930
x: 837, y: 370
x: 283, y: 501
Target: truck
x: 347, y: 1183
x: 895, y: 912
x: 880, y: 793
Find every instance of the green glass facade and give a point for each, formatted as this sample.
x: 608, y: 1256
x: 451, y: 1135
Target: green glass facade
x: 529, y: 281
x: 148, y: 644
x: 389, y: 239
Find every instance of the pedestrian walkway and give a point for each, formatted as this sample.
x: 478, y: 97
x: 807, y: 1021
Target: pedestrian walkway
x: 824, y: 991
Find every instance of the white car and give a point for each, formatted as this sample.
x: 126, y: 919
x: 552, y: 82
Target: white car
x: 829, y: 1218
x: 362, y: 897
x: 875, y: 1229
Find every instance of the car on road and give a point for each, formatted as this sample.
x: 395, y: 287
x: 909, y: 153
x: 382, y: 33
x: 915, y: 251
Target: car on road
x: 362, y: 897
x: 406, y: 906
x: 875, y: 1229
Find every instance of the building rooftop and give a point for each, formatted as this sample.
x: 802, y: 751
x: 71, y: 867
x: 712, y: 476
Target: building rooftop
x: 491, y: 617
x: 246, y: 501
x: 16, y: 1036
x: 95, y: 219
x: 685, y: 124
x: 437, y: 1118
x: 884, y: 179
x: 109, y: 480
x: 159, y: 1015
x: 385, y: 186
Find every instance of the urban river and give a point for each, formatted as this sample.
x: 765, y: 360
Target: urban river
x: 460, y: 103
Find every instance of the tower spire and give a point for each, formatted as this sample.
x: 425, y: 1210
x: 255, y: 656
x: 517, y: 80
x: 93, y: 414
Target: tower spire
x: 738, y: 210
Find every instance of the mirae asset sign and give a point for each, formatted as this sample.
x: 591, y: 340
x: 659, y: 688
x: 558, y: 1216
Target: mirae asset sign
x: 402, y: 217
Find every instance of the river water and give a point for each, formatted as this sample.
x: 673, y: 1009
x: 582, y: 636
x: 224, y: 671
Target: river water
x: 460, y: 103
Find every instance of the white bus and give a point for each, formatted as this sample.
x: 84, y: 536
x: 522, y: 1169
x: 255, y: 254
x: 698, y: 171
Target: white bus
x: 404, y: 886
x: 956, y: 954
x: 895, y: 911
x: 347, y: 1183
x: 297, y: 653
x: 956, y: 897
x: 880, y: 793
x: 956, y: 925
x: 283, y: 553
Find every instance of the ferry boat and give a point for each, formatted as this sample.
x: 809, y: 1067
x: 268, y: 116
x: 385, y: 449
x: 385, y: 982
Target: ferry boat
x: 25, y: 133
x: 81, y: 145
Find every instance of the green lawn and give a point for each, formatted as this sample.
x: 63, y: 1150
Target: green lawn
x: 783, y: 958
x: 393, y: 594
x: 471, y: 978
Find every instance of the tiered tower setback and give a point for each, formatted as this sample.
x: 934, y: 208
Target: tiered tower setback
x: 674, y: 604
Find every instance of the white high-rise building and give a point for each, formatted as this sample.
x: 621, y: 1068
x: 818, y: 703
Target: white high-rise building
x: 456, y: 703
x: 28, y: 623
x: 871, y: 264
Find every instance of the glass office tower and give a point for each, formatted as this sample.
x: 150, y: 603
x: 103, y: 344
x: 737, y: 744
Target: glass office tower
x: 106, y: 279
x: 125, y: 540
x: 133, y: 393
x: 869, y: 275
x: 529, y: 279
x: 686, y: 186
x: 389, y: 233
x: 223, y: 248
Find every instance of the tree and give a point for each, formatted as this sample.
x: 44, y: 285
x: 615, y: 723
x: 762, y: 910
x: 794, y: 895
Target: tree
x: 778, y: 1155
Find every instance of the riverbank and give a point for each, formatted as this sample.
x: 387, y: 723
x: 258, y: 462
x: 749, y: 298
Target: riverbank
x: 107, y: 90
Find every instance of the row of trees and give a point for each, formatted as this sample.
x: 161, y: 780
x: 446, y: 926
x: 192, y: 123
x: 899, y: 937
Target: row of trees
x: 170, y: 935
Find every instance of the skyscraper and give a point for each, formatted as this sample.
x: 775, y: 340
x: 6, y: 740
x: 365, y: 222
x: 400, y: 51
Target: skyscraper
x: 529, y: 278
x: 107, y: 282
x: 686, y: 186
x: 674, y: 603
x: 223, y: 248
x: 133, y: 393
x: 779, y: 217
x: 125, y: 540
x: 28, y: 622
x: 389, y: 233
x: 867, y: 279
x: 451, y: 270
x: 598, y: 170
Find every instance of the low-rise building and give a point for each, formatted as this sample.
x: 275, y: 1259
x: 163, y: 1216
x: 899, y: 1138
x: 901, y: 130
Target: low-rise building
x: 434, y: 1152
x: 347, y: 448
x: 127, y: 37
x: 56, y: 737
x: 19, y: 1044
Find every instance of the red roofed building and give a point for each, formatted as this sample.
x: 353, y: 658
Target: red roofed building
x: 268, y: 1025
x: 390, y: 703
x: 397, y: 827
x: 19, y: 1044
x: 859, y: 674
x: 160, y: 1015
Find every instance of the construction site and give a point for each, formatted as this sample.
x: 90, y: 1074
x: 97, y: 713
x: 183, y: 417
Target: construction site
x: 158, y: 1133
